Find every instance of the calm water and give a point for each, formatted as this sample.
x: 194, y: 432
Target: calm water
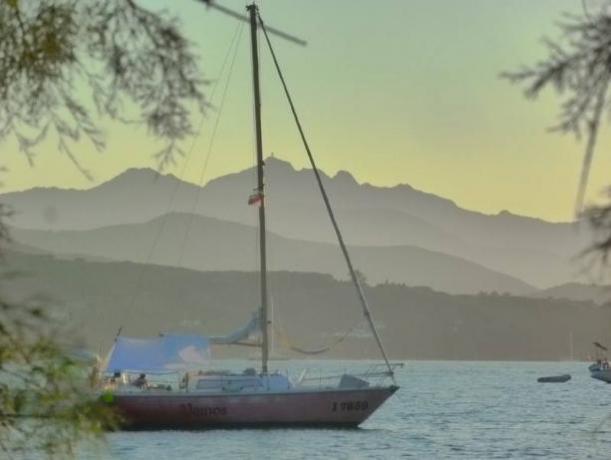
x: 443, y: 410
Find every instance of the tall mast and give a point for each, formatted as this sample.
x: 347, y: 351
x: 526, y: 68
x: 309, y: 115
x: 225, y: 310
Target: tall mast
x: 252, y: 9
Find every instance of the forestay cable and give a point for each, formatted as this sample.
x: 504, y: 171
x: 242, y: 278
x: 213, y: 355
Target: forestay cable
x: 340, y: 239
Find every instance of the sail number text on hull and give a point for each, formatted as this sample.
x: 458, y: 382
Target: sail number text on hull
x: 346, y: 406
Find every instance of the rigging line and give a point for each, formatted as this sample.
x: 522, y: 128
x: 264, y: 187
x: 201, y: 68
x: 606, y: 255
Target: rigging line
x: 340, y: 239
x: 162, y: 224
x: 234, y: 40
x: 235, y: 37
x: 210, y: 148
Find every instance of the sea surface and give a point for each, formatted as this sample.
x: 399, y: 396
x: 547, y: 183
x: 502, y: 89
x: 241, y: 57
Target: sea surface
x: 464, y: 410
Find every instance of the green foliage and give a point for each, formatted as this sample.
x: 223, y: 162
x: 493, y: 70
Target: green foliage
x: 47, y: 401
x: 579, y: 70
x: 62, y: 62
x: 599, y: 219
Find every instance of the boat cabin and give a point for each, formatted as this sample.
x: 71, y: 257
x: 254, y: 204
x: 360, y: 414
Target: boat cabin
x: 228, y: 382
x: 206, y: 382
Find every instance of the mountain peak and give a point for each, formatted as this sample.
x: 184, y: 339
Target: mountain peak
x: 134, y: 176
x: 138, y: 172
x: 278, y: 163
x: 345, y: 177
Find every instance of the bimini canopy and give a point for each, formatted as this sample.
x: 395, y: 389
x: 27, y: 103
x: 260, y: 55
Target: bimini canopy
x: 157, y: 355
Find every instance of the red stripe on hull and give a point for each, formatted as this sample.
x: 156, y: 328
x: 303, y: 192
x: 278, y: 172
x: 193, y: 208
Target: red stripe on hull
x: 342, y: 408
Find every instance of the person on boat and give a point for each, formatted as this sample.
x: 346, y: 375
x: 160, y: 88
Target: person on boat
x: 184, y: 382
x: 116, y: 377
x: 140, y: 382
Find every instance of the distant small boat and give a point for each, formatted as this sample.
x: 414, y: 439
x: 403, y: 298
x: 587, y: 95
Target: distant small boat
x: 555, y: 379
x: 600, y: 371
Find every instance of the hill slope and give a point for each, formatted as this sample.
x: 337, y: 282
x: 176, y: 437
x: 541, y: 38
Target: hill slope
x: 209, y: 244
x: 97, y: 298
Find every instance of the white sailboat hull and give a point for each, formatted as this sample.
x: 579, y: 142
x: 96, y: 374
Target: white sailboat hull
x: 315, y: 408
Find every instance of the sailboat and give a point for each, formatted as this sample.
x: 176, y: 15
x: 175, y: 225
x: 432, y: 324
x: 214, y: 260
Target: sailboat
x: 600, y: 369
x: 204, y: 398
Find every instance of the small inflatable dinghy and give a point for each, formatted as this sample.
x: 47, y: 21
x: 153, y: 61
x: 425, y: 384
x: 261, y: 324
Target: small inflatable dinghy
x: 555, y: 379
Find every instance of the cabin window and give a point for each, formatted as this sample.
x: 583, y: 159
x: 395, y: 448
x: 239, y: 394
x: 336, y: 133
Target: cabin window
x: 249, y: 383
x: 207, y: 384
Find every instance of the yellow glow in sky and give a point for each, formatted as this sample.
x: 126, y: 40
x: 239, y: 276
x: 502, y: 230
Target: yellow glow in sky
x: 399, y: 91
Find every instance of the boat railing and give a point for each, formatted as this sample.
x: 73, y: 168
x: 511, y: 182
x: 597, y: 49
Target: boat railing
x: 375, y: 375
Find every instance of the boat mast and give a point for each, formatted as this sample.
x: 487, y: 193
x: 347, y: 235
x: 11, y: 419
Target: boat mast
x: 252, y: 10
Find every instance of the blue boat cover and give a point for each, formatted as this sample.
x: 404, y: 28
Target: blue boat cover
x: 158, y: 355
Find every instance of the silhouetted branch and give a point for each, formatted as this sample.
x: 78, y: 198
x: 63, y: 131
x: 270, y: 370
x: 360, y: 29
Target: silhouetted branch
x: 599, y: 218
x: 60, y: 60
x: 580, y: 70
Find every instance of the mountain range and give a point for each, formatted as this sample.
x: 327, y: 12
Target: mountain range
x: 399, y: 220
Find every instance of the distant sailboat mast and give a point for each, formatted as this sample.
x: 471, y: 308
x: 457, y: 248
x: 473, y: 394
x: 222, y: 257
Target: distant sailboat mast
x: 265, y: 323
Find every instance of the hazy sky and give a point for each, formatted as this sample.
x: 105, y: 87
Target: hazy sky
x: 394, y: 91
